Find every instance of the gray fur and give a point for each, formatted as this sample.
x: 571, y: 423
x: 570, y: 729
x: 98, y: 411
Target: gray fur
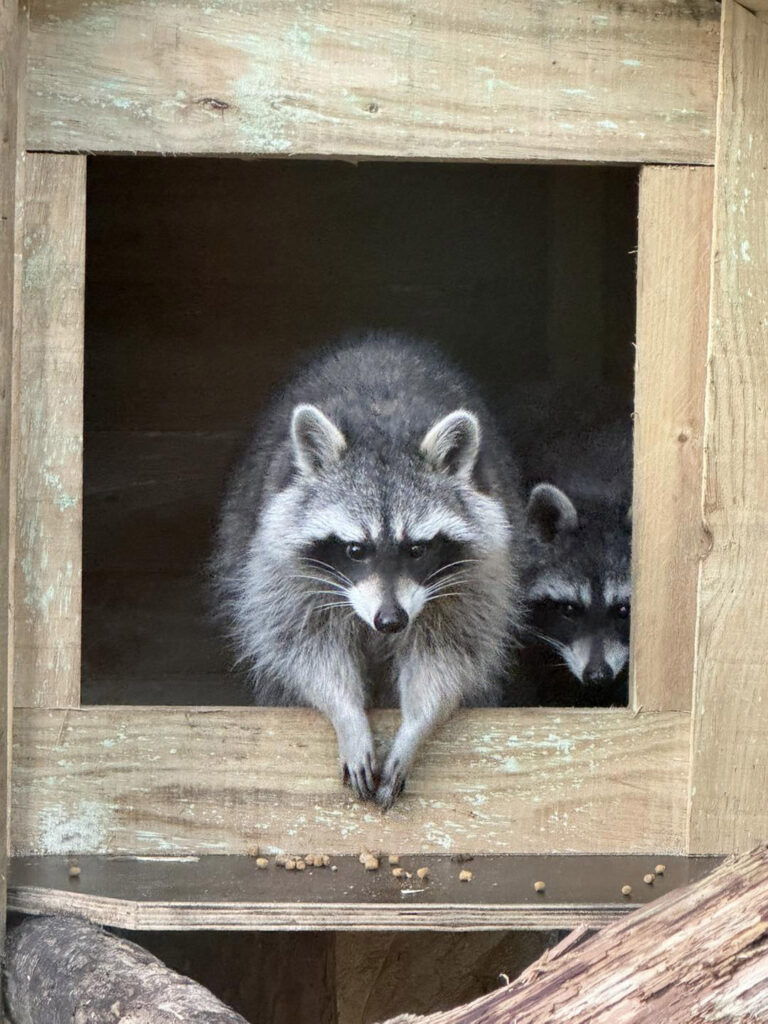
x: 375, y: 442
x: 579, y: 515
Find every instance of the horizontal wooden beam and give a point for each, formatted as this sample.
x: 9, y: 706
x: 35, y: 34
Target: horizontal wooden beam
x: 230, y: 893
x: 191, y: 781
x: 504, y: 80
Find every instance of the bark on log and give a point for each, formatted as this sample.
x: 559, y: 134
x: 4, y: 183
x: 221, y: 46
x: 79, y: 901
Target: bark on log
x: 696, y: 955
x: 62, y: 970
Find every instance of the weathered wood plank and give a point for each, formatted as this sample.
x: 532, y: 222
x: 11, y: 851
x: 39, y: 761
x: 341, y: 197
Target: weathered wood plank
x: 729, y: 770
x: 164, y: 780
x: 12, y: 56
x: 229, y: 893
x: 505, y: 80
x: 673, y: 300
x: 49, y: 526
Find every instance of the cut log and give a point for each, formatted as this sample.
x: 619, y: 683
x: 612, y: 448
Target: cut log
x: 61, y: 969
x: 696, y: 955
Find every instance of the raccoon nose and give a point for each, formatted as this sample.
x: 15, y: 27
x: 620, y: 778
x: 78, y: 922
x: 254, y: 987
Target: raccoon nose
x: 390, y: 619
x: 597, y: 675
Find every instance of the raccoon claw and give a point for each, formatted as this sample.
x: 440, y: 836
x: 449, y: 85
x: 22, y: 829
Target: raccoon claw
x: 361, y: 777
x: 391, y: 786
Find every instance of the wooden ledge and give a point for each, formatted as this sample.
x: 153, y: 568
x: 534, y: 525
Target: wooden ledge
x: 231, y: 893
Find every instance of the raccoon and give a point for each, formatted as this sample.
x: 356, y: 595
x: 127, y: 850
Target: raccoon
x: 369, y: 539
x: 577, y: 577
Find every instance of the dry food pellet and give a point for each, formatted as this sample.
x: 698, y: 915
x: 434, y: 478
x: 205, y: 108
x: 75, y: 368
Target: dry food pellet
x: 398, y: 872
x: 280, y: 860
x: 318, y: 859
x: 301, y: 865
x: 539, y: 886
x: 626, y: 890
x: 334, y: 867
x: 262, y: 862
x: 422, y: 873
x: 371, y: 864
x: 74, y: 871
x: 309, y: 860
x: 253, y: 851
x: 660, y: 869
x: 326, y: 859
x: 290, y: 864
x: 393, y: 859
x: 465, y: 876
x: 648, y: 879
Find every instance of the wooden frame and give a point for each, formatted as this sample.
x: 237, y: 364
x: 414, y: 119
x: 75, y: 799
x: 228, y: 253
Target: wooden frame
x: 139, y: 782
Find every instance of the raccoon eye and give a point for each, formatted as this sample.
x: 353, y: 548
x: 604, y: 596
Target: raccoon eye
x: 569, y: 610
x: 356, y: 552
x: 417, y: 550
x: 622, y: 611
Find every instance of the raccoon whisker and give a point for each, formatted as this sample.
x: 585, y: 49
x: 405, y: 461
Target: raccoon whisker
x: 330, y: 568
x: 449, y: 593
x: 550, y: 640
x: 451, y: 581
x: 450, y: 565
x: 318, y: 579
x: 332, y: 604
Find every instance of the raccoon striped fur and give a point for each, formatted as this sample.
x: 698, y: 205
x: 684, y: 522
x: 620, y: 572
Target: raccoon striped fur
x: 368, y: 543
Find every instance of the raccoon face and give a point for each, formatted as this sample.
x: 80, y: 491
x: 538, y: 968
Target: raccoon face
x: 384, y: 540
x: 579, y: 590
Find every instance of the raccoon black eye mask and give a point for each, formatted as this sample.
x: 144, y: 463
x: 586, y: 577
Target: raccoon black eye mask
x: 382, y: 537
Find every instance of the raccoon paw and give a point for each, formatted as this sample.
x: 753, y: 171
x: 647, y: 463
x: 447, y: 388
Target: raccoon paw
x: 391, y: 785
x: 360, y: 774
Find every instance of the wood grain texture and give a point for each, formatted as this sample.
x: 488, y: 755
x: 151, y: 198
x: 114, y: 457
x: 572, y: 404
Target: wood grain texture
x: 12, y: 55
x: 695, y: 956
x: 228, y: 892
x: 49, y: 525
x: 60, y: 970
x: 152, y: 780
x: 729, y: 770
x: 506, y: 80
x: 670, y: 375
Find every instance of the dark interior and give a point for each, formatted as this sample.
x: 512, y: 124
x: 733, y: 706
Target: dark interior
x: 206, y: 277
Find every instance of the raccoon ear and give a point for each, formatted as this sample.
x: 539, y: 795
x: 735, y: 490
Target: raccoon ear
x: 317, y: 442
x: 453, y: 443
x: 550, y: 511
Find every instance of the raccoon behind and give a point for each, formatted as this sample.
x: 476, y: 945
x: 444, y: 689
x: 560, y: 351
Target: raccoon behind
x: 372, y: 528
x: 577, y: 578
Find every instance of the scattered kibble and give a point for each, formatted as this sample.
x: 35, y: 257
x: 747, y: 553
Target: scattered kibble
x: 626, y: 890
x: 253, y: 851
x: 290, y: 864
x: 280, y: 860
x: 398, y: 872
x: 393, y: 859
x: 371, y: 863
x: 648, y: 879
x: 660, y: 869
x: 334, y: 867
x: 74, y: 871
x: 261, y: 863
x: 326, y: 860
x: 465, y: 876
x: 539, y: 886
x: 422, y: 873
x: 301, y: 865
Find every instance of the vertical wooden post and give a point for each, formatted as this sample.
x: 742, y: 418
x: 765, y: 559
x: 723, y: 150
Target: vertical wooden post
x: 729, y: 766
x: 675, y: 232
x: 11, y: 142
x: 50, y: 462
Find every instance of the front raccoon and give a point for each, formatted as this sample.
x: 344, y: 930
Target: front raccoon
x: 366, y: 534
x: 577, y: 580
